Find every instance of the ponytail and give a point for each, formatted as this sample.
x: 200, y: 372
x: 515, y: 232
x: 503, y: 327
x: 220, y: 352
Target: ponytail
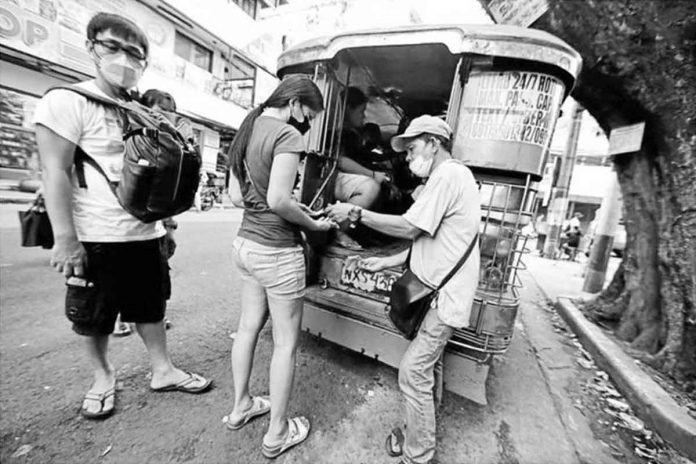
x: 241, y: 140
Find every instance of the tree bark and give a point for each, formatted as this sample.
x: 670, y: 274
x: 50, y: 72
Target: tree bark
x: 639, y: 65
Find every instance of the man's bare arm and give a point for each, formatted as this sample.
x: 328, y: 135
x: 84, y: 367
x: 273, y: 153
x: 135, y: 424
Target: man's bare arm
x: 57, y: 159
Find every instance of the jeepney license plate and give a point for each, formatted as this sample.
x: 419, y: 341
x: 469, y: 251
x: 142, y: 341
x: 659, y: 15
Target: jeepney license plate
x: 353, y: 276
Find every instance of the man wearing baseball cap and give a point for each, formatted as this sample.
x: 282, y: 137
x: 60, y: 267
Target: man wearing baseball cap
x: 443, y: 222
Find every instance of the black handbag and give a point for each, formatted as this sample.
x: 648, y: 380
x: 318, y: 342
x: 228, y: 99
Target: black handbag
x: 36, y: 227
x: 410, y: 298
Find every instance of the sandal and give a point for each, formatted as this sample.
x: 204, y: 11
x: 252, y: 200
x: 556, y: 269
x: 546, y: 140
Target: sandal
x: 394, y: 443
x: 122, y: 329
x: 260, y: 405
x: 298, y: 431
x: 101, y: 398
x: 185, y: 385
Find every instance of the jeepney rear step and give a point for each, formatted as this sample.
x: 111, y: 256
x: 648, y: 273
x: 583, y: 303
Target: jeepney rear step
x: 361, y: 324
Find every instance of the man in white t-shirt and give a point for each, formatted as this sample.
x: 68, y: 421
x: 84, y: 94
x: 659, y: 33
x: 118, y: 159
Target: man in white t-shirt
x: 443, y: 222
x: 112, y: 261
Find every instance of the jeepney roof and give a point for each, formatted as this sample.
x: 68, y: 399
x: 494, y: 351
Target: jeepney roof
x: 491, y: 40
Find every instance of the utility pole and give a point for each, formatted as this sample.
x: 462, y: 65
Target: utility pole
x: 608, y: 220
x: 559, y: 195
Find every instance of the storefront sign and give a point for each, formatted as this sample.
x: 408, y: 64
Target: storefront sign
x: 626, y: 139
x: 520, y: 13
x: 17, y: 146
x: 56, y: 30
x: 511, y: 106
x: 239, y: 91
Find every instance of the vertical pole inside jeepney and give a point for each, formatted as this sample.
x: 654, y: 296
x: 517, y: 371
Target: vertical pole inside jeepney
x: 315, y: 141
x: 486, y: 223
x: 509, y: 235
x: 455, y: 96
x: 327, y: 92
x: 516, y: 263
x: 339, y: 117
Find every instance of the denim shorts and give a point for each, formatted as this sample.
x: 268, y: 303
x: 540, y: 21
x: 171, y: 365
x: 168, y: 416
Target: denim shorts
x: 281, y: 271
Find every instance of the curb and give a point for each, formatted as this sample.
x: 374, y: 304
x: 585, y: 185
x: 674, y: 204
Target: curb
x: 16, y: 201
x: 650, y: 401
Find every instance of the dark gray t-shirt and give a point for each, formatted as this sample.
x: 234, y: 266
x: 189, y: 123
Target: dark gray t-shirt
x: 269, y: 137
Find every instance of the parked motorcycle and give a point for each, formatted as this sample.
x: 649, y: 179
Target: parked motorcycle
x: 210, y: 196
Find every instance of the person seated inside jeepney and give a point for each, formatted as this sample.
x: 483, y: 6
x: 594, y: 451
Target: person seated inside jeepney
x: 371, y: 140
x: 358, y: 181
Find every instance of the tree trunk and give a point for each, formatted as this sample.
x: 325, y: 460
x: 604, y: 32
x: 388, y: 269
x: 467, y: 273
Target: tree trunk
x: 639, y: 65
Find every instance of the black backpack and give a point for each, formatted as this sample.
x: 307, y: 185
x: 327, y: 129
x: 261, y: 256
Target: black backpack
x: 161, y: 170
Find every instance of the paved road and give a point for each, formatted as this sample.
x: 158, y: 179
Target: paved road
x: 352, y: 401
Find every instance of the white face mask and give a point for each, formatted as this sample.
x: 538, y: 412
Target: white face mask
x: 119, y: 71
x: 420, y: 166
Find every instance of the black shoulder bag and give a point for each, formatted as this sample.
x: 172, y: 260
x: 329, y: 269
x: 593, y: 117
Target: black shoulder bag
x: 36, y: 226
x: 410, y: 298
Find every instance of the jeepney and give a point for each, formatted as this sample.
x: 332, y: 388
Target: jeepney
x: 500, y: 88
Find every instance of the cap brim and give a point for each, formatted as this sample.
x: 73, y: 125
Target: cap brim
x: 399, y: 142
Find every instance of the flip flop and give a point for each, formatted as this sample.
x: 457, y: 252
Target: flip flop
x: 183, y: 386
x: 101, y: 398
x: 298, y: 431
x: 122, y: 330
x: 394, y: 443
x: 260, y: 405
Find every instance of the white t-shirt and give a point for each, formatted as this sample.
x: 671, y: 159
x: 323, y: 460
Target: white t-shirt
x: 97, y: 215
x: 448, y: 211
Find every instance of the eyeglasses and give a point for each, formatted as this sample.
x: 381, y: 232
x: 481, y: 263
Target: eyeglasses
x: 110, y: 47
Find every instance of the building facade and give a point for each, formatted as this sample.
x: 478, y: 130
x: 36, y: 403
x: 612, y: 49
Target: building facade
x: 213, y: 80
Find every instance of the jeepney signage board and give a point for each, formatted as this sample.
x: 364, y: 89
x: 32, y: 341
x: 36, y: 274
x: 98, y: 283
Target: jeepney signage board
x: 520, y: 13
x: 506, y: 120
x: 626, y: 139
x: 511, y: 106
x: 371, y: 282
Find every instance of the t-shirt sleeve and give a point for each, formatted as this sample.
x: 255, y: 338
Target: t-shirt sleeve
x: 289, y: 140
x: 61, y: 111
x: 432, y: 205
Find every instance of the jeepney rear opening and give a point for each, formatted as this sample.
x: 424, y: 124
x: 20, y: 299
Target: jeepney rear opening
x: 500, y: 89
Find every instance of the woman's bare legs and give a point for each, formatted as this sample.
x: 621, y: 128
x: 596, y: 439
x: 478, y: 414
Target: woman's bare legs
x: 253, y: 317
x: 286, y: 317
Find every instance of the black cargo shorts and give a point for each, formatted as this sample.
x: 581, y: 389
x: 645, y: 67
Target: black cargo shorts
x: 131, y: 278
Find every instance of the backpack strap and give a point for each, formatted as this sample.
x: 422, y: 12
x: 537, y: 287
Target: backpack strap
x: 102, y: 100
x: 80, y: 159
x: 145, y: 131
x: 80, y: 156
x: 148, y: 132
x: 91, y: 95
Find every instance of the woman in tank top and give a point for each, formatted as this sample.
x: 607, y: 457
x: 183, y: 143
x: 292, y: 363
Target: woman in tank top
x: 264, y: 158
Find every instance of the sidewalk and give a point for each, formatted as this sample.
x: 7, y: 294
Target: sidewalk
x: 562, y: 281
x: 10, y: 193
